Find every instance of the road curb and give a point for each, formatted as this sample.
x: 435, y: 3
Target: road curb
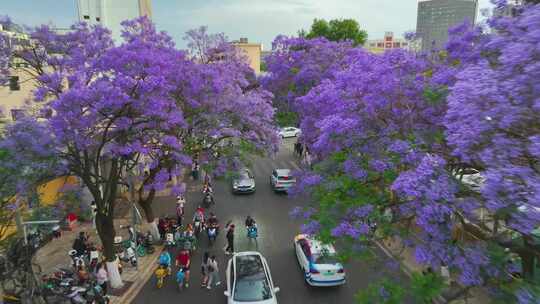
x: 130, y: 294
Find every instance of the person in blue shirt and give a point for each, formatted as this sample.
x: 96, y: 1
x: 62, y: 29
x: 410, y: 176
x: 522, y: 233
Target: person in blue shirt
x: 165, y: 259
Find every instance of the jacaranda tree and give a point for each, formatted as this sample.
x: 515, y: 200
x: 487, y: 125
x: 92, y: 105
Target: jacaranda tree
x: 224, y: 112
x: 27, y: 159
x: 295, y: 66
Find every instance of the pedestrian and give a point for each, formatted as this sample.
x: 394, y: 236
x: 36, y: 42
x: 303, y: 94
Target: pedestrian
x: 213, y: 272
x: 230, y: 239
x: 195, y: 170
x: 207, y: 179
x: 80, y: 244
x: 180, y: 201
x: 204, y: 269
x: 101, y: 277
x: 183, y: 261
x: 300, y: 149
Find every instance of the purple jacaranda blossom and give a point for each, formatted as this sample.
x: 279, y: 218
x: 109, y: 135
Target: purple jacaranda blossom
x: 353, y: 230
x: 311, y: 227
x: 362, y: 212
x: 525, y: 296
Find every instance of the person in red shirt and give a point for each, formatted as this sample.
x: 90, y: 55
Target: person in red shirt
x: 184, y: 261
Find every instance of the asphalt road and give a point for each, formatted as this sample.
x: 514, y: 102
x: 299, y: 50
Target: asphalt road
x: 276, y: 231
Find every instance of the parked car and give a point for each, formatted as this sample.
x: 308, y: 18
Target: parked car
x: 244, y: 182
x: 282, y: 180
x: 249, y: 280
x: 289, y: 132
x: 318, y: 261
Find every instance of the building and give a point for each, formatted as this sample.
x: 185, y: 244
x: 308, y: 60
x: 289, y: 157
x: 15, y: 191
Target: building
x: 509, y: 10
x: 19, y: 87
x: 110, y: 13
x: 435, y: 17
x: 252, y: 51
x: 389, y: 42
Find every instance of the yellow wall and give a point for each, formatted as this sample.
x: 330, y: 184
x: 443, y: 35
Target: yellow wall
x: 49, y: 192
x: 253, y: 53
x: 16, y: 99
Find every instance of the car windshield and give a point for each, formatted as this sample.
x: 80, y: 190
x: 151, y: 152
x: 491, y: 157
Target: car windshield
x: 251, y: 283
x: 325, y: 259
x: 244, y: 175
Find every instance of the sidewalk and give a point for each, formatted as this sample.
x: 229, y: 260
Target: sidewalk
x: 393, y: 248
x: 55, y: 255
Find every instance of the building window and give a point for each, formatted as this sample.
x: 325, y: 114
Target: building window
x: 388, y: 45
x: 372, y: 44
x: 404, y: 44
x: 380, y: 45
x: 86, y: 17
x: 388, y: 38
x: 396, y: 45
x: 14, y: 83
x: 17, y: 114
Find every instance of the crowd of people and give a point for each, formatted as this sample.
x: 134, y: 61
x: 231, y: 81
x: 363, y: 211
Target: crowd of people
x: 202, y: 220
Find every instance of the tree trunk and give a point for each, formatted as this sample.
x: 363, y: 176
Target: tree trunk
x: 149, y: 214
x: 105, y: 228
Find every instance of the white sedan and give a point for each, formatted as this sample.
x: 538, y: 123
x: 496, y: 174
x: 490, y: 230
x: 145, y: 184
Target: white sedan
x: 289, y: 132
x: 249, y: 280
x: 318, y: 261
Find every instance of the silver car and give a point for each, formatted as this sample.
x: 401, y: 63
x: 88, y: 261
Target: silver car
x: 243, y: 182
x: 282, y: 180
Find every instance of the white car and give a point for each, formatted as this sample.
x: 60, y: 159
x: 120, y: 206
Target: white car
x: 282, y: 180
x: 289, y: 132
x: 318, y: 261
x: 249, y: 280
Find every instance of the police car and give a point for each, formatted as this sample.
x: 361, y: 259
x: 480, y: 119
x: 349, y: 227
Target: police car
x: 318, y: 261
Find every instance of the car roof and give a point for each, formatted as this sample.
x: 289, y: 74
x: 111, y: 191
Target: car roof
x: 317, y: 246
x: 283, y: 172
x: 247, y: 262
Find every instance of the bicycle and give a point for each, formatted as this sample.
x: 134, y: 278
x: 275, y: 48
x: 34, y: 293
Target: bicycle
x: 161, y: 272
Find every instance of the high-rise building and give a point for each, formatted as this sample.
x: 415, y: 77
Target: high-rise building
x: 435, y: 17
x: 110, y: 13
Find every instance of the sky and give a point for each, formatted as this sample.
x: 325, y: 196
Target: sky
x: 258, y: 20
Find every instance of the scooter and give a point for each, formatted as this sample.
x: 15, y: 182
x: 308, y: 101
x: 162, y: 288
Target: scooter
x: 94, y: 294
x: 128, y: 254
x: 252, y: 232
x: 76, y: 259
x: 212, y: 233
x: 76, y: 295
x: 169, y: 240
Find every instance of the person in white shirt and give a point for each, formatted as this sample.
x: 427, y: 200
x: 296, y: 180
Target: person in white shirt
x: 213, y: 272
